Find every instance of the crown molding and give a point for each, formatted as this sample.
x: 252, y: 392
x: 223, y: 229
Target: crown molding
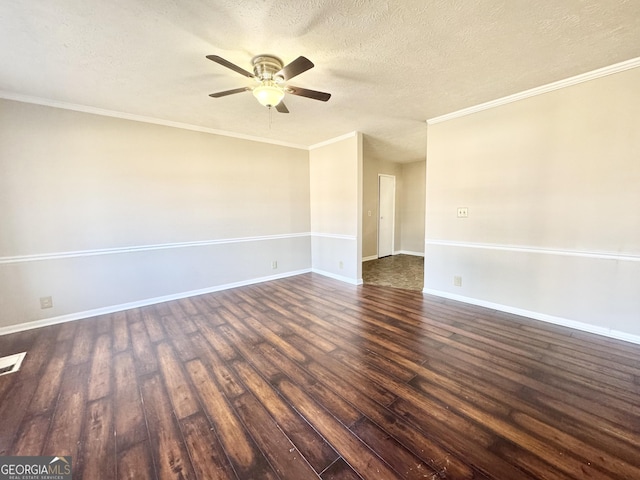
x: 141, y: 118
x: 334, y: 140
x: 567, y: 82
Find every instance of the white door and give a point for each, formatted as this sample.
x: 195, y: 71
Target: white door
x: 386, y: 214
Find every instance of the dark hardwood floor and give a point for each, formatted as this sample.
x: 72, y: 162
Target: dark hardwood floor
x: 307, y: 377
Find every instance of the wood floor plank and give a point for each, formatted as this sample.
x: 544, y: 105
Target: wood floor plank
x: 277, y: 341
x: 340, y: 470
x: 46, y: 394
x: 358, y: 381
x: 309, y: 443
x: 225, y: 378
x: 228, y: 309
x: 64, y: 437
x: 578, y: 423
x: 462, y: 446
x: 480, y: 412
x: 100, y: 376
x: 130, y: 425
x: 67, y: 332
x: 219, y: 344
x: 82, y: 343
x: 97, y: 456
x: 133, y: 315
x: 145, y: 359
x: 31, y: 436
x: 202, y: 306
x: 207, y: 454
x: 178, y: 321
x: 170, y: 457
x: 273, y: 363
x: 120, y: 333
x: 412, y: 438
x: 362, y: 459
x: 281, y: 453
x: 182, y: 396
x: 244, y: 455
x: 307, y: 377
x: 153, y: 323
x: 19, y: 388
x: 178, y: 326
x: 13, y: 411
x: 400, y: 459
x: 188, y: 307
x: 37, y: 357
x: 135, y: 463
x: 527, y: 379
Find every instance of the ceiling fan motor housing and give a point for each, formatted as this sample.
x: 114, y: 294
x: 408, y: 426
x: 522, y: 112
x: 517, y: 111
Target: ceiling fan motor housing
x: 265, y: 67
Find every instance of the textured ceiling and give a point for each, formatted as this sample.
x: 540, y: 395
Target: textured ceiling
x: 390, y: 65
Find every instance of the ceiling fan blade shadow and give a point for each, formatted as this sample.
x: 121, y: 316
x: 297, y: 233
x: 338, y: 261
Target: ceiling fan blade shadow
x: 298, y: 66
x: 304, y: 92
x: 232, y: 66
x: 229, y: 92
x: 282, y: 108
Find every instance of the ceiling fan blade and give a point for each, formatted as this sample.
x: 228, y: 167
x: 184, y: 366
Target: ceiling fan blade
x: 228, y: 64
x: 282, y: 108
x: 229, y: 92
x: 299, y: 65
x: 303, y: 92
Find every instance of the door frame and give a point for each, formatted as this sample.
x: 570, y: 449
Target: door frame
x: 393, y: 213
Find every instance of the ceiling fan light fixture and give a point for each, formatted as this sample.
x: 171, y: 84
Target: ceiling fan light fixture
x: 268, y: 94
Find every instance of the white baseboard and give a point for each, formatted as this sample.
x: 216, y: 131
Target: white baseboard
x: 337, y: 277
x: 409, y: 252
x: 45, y: 322
x: 399, y: 252
x: 585, y: 327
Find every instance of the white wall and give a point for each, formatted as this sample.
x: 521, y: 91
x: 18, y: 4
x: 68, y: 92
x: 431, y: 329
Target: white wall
x: 552, y: 187
x: 100, y: 212
x: 336, y: 207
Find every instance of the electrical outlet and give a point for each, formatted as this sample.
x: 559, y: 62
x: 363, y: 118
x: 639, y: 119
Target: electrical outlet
x: 274, y: 264
x: 463, y: 212
x: 341, y: 264
x: 457, y: 281
x: 46, y: 302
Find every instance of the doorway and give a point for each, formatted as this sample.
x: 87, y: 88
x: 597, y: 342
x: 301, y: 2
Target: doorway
x: 386, y: 214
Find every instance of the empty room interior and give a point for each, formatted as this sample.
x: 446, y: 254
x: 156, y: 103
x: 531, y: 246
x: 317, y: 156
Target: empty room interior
x: 192, y: 194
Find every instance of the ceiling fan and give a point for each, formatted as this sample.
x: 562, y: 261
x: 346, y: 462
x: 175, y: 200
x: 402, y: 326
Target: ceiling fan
x: 271, y: 75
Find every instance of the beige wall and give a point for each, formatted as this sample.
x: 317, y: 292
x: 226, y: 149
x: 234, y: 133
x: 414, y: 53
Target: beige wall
x: 552, y: 187
x: 410, y: 204
x: 336, y: 207
x: 412, y: 210
x: 371, y: 169
x: 99, y: 211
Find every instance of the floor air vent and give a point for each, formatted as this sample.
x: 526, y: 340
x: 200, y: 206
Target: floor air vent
x: 11, y: 363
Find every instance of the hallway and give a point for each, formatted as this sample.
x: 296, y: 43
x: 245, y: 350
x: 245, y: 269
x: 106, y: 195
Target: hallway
x: 399, y: 271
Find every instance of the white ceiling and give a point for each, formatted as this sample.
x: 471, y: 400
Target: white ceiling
x: 389, y: 65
